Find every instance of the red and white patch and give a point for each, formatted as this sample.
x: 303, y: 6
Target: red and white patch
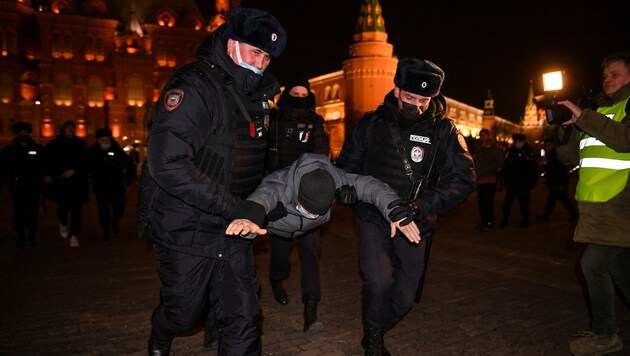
x: 173, y: 99
x: 417, y: 154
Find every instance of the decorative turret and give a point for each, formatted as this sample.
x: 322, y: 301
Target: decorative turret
x: 531, y: 117
x: 488, y: 105
x: 370, y: 71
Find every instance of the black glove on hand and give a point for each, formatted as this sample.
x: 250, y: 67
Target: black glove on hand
x: 246, y: 209
x: 277, y: 213
x: 403, y: 209
x: 346, y: 195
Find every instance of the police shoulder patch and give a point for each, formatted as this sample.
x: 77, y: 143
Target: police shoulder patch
x: 173, y: 99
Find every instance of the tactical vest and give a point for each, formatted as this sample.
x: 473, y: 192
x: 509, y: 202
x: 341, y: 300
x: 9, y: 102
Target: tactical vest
x: 235, y: 155
x: 382, y: 160
x: 288, y: 140
x: 603, y: 172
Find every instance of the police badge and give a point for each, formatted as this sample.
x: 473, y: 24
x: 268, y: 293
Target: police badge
x: 417, y: 154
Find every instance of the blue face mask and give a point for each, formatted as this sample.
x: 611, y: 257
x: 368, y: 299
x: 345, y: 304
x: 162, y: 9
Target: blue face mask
x: 246, y: 65
x: 305, y: 213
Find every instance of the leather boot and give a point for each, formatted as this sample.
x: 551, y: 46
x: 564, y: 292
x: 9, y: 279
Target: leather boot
x: 278, y: 292
x: 159, y: 345
x: 310, y: 317
x: 372, y: 342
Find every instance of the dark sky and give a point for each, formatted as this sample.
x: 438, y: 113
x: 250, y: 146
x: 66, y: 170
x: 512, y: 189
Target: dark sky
x: 481, y: 45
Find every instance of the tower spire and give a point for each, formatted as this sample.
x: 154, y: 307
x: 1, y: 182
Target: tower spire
x: 371, y: 24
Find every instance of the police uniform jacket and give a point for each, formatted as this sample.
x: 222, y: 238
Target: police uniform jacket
x: 282, y: 185
x: 292, y: 132
x: 602, y: 223
x: 67, y: 153
x: 370, y: 150
x: 188, y: 209
x: 22, y: 165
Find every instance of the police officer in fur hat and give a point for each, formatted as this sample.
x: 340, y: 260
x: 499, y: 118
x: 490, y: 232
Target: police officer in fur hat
x: 408, y: 143
x: 206, y: 154
x: 21, y: 163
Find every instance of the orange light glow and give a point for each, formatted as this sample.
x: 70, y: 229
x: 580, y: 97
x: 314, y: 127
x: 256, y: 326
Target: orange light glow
x: 47, y: 129
x: 81, y: 129
x: 115, y: 130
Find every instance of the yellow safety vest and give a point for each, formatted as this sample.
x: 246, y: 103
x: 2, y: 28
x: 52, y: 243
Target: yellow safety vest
x: 603, y: 171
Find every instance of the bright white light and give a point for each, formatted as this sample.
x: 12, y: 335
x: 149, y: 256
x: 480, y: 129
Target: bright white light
x: 552, y: 81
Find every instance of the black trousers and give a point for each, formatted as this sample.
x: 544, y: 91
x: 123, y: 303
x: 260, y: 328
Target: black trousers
x: 392, y: 268
x: 558, y: 193
x: 105, y: 200
x: 66, y: 207
x: 25, y: 212
x: 310, y: 251
x: 523, y: 201
x: 485, y: 197
x: 191, y: 284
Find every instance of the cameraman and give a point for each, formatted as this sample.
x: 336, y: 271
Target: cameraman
x: 600, y: 142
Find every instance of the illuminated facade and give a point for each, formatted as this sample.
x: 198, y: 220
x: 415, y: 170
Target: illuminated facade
x: 98, y: 62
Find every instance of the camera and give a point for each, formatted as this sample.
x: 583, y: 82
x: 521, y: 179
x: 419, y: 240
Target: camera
x: 557, y: 113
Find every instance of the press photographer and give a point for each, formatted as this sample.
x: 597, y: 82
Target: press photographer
x: 599, y: 140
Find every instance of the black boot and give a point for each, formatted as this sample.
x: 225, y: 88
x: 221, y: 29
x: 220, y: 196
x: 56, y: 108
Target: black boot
x: 372, y: 342
x: 278, y: 291
x: 310, y: 317
x: 159, y: 345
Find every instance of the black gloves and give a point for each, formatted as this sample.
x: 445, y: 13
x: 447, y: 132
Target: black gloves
x: 277, y: 213
x: 403, y: 209
x: 246, y: 209
x: 346, y: 195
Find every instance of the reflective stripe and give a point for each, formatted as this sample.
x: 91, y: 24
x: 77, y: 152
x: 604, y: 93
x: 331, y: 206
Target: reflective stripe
x: 606, y: 163
x: 589, y: 142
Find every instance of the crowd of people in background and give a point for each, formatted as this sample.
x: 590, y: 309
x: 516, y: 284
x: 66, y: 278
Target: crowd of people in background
x: 61, y: 171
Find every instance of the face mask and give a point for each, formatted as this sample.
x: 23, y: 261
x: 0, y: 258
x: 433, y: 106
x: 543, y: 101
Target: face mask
x: 410, y: 112
x: 298, y: 103
x: 305, y: 213
x: 24, y: 138
x: 519, y: 145
x: 246, y: 65
x: 105, y: 146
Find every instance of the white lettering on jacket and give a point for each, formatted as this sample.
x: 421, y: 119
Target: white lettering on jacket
x: 421, y: 139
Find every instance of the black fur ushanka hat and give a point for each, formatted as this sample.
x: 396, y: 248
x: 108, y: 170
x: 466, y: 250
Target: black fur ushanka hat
x: 419, y: 76
x: 257, y: 28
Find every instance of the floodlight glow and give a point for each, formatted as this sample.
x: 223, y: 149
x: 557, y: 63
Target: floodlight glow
x: 552, y: 81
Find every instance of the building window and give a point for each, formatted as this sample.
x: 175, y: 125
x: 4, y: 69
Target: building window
x: 67, y: 47
x: 56, y: 45
x: 95, y: 93
x: 7, y: 37
x: 135, y: 92
x: 160, y: 54
x: 327, y: 93
x: 335, y: 92
x: 6, y: 88
x: 99, y: 49
x: 63, y: 91
x: 89, y: 48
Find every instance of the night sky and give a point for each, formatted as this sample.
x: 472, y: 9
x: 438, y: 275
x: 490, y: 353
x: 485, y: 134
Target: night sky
x: 481, y: 45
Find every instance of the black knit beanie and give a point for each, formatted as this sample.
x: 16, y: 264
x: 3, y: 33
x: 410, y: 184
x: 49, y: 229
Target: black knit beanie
x: 317, y: 191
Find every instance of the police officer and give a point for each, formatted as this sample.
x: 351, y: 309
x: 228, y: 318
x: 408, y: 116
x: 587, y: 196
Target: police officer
x: 599, y: 140
x: 110, y: 168
x: 295, y: 128
x: 206, y: 153
x: 409, y: 144
x: 21, y: 162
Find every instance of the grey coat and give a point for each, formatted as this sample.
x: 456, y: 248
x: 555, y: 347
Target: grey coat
x: 282, y: 186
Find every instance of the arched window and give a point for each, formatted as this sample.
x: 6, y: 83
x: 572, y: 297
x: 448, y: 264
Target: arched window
x: 6, y: 88
x: 67, y: 47
x: 63, y: 91
x: 335, y: 92
x: 327, y: 93
x: 89, y: 48
x: 99, y: 49
x: 135, y: 92
x: 95, y: 92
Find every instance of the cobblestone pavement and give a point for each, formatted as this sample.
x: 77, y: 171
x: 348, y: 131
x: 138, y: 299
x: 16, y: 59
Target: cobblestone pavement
x: 507, y: 291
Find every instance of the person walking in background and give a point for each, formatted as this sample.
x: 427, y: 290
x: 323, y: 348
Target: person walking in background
x: 295, y: 128
x: 557, y: 180
x: 206, y: 154
x: 110, y: 168
x: 488, y: 161
x: 21, y: 164
x: 520, y: 175
x: 600, y: 142
x: 67, y: 170
x: 400, y: 143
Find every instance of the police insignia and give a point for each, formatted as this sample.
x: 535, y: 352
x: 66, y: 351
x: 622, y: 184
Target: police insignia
x: 462, y: 142
x: 173, y: 99
x: 417, y: 154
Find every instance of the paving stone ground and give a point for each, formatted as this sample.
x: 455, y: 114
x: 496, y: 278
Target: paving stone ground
x: 508, y: 291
